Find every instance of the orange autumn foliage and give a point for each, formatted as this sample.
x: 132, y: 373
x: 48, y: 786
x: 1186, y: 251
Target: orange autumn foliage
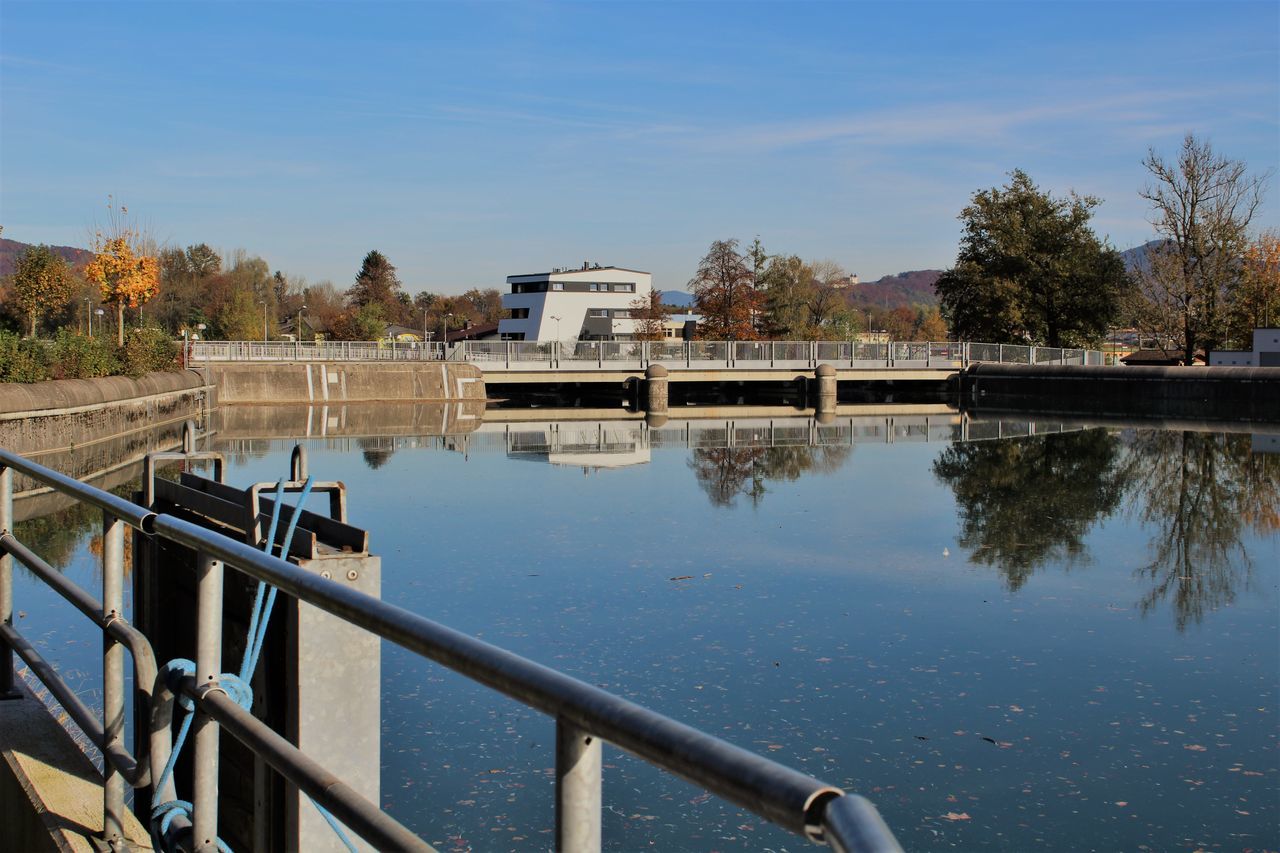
x: 125, y: 277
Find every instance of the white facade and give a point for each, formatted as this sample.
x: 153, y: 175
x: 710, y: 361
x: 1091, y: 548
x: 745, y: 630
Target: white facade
x: 1265, y: 352
x: 592, y: 303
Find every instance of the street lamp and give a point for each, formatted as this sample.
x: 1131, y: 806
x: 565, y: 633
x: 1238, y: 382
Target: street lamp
x: 298, y: 330
x: 88, y: 314
x: 264, y: 321
x: 557, y: 319
x: 444, y: 334
x: 99, y: 312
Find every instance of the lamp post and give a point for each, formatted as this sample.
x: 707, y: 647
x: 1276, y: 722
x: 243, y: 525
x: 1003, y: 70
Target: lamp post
x: 557, y: 319
x: 444, y: 335
x: 298, y: 330
x: 88, y: 315
x: 264, y: 321
x: 99, y: 312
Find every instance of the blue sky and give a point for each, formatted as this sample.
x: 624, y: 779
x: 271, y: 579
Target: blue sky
x: 470, y: 141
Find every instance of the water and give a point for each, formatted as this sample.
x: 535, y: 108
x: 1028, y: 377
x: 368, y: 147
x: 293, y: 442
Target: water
x: 1067, y: 640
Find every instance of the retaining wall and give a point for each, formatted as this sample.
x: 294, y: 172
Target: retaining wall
x: 339, y: 381
x: 1222, y: 393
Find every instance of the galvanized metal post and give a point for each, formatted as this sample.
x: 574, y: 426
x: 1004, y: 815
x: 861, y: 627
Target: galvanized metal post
x: 578, y: 786
x: 112, y: 679
x: 6, y: 584
x: 208, y: 667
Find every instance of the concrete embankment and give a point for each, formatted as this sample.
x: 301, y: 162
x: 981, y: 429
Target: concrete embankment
x: 85, y: 427
x: 338, y: 381
x: 1219, y: 393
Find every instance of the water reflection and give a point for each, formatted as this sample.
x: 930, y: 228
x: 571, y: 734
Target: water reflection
x: 1199, y: 493
x: 1030, y: 502
x: 726, y: 473
x: 1025, y: 502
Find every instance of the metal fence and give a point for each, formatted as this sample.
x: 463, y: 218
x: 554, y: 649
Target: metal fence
x: 638, y: 355
x: 585, y: 715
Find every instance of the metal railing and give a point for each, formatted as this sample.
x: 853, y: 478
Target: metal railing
x: 494, y: 356
x: 585, y: 715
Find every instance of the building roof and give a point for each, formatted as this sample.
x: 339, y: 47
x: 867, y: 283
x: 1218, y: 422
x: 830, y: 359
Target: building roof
x: 574, y: 272
x: 471, y: 333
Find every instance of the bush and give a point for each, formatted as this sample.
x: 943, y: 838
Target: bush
x: 74, y: 356
x: 147, y: 349
x: 22, y: 359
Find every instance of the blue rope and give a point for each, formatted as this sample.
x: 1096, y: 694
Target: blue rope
x: 236, y: 686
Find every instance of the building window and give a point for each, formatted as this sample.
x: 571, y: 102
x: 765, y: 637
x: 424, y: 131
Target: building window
x: 598, y: 312
x: 557, y: 285
x: 622, y: 314
x: 594, y: 287
x: 519, y: 313
x: 624, y: 288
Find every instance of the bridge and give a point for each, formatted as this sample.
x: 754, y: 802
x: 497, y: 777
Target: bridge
x: 687, y: 361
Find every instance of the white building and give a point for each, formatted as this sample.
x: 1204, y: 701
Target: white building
x: 1265, y: 352
x: 591, y: 303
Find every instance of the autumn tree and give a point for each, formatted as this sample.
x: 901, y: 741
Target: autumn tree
x: 125, y: 275
x: 1030, y: 269
x: 1201, y: 205
x: 41, y: 284
x: 1255, y: 301
x: 724, y: 293
x: 649, y: 316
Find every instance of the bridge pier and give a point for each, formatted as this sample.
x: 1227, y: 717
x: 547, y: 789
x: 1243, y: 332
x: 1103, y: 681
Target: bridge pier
x: 825, y: 406
x: 657, y: 390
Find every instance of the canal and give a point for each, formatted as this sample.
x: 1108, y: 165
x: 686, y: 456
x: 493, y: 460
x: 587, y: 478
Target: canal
x: 1007, y: 634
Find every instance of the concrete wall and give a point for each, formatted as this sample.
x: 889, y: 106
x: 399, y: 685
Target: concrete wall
x: 86, y: 426
x: 1226, y: 393
x: 324, y: 382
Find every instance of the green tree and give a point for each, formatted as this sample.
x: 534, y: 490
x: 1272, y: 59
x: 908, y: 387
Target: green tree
x: 377, y: 284
x: 1030, y: 269
x: 724, y: 293
x: 41, y: 284
x: 1201, y: 205
x: 203, y: 260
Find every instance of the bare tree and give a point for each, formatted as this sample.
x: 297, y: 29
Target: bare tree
x: 1201, y: 205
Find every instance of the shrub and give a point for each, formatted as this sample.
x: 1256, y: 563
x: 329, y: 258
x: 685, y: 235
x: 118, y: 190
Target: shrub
x: 77, y: 357
x: 22, y: 359
x: 147, y: 349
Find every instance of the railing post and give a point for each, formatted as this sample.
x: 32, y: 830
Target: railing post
x: 205, y: 730
x: 578, y: 783
x: 113, y: 530
x: 1031, y: 355
x: 1000, y: 354
x: 6, y: 583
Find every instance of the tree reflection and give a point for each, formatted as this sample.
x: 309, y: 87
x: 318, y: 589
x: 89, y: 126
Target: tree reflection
x: 725, y: 473
x: 376, y: 451
x: 1199, y: 492
x: 1025, y: 501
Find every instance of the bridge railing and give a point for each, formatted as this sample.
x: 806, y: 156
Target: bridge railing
x: 585, y: 715
x: 638, y: 355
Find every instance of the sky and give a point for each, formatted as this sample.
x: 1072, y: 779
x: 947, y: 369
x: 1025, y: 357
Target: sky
x: 472, y: 141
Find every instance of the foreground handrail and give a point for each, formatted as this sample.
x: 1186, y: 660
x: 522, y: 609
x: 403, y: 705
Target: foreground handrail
x: 584, y: 713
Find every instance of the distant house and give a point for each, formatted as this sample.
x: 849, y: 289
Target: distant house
x: 1265, y: 352
x: 402, y: 334
x: 477, y: 332
x: 592, y: 304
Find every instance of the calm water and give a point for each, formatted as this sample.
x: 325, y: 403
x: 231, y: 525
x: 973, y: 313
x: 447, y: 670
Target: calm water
x: 1066, y: 640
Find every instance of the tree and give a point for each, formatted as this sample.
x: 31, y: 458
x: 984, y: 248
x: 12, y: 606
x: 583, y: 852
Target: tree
x: 1030, y: 269
x: 41, y: 284
x: 724, y: 293
x: 376, y: 283
x: 203, y: 260
x: 125, y: 276
x: 784, y: 285
x: 1201, y: 205
x: 1255, y: 301
x: 650, y: 316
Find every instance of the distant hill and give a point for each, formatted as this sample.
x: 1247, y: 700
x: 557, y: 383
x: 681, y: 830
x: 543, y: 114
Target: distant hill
x: 905, y: 289
x: 678, y: 298
x: 11, y: 250
x: 1135, y: 259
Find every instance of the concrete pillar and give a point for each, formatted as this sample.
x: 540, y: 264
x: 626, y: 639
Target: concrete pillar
x: 655, y: 420
x: 657, y: 392
x: 826, y: 381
